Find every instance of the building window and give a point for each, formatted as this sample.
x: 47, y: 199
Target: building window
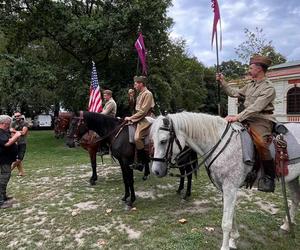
x: 293, y: 101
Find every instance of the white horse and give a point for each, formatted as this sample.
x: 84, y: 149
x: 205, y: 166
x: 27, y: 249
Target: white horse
x: 213, y: 138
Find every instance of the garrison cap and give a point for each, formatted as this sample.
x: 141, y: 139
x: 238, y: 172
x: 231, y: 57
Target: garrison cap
x: 108, y: 92
x: 260, y: 60
x: 142, y: 79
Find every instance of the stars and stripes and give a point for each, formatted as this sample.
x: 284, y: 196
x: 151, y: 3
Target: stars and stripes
x: 95, y: 102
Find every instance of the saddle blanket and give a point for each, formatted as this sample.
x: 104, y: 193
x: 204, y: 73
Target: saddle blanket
x: 131, y: 130
x: 292, y: 138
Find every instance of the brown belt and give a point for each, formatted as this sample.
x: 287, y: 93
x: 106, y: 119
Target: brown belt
x: 267, y: 112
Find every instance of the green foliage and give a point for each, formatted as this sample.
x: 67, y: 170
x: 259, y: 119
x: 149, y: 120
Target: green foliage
x: 56, y: 208
x: 51, y: 64
x: 233, y: 69
x: 256, y: 43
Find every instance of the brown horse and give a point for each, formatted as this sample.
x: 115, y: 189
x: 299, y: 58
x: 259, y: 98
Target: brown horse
x: 61, y: 124
x: 115, y: 133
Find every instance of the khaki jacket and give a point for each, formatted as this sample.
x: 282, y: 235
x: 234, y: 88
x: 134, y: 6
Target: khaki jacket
x: 144, y: 105
x: 110, y: 108
x: 259, y: 97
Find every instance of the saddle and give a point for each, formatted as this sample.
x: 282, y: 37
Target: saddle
x: 285, y: 147
x: 131, y: 133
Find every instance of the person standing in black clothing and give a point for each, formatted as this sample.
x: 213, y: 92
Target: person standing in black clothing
x: 8, y: 154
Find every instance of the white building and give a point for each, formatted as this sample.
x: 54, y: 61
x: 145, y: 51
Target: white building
x: 286, y: 80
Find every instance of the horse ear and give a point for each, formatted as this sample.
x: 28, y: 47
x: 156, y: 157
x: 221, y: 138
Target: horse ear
x: 166, y: 122
x: 150, y: 119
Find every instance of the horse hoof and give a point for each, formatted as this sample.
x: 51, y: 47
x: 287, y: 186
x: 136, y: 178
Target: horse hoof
x: 145, y: 177
x: 93, y: 183
x: 232, y: 244
x: 128, y: 205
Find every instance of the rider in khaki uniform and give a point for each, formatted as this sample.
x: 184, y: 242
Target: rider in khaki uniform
x: 259, y: 95
x: 110, y: 107
x: 144, y: 105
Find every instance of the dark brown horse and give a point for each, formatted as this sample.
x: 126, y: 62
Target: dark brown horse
x: 61, y: 124
x: 113, y: 132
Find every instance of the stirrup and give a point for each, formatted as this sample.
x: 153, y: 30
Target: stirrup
x: 266, y: 184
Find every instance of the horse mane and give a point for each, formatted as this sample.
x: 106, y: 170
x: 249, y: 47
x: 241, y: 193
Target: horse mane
x: 102, y: 124
x: 195, y: 125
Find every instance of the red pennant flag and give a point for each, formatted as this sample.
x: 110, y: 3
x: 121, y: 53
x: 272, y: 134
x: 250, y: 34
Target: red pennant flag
x: 141, y: 50
x: 217, y: 18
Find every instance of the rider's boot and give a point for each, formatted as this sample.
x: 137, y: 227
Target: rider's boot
x: 142, y: 159
x: 267, y: 183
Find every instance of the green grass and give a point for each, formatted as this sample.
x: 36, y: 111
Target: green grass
x: 56, y: 208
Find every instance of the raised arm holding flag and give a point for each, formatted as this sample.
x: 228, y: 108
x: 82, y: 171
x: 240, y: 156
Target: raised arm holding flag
x: 217, y: 19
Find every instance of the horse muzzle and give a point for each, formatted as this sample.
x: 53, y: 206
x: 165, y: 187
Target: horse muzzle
x: 159, y: 168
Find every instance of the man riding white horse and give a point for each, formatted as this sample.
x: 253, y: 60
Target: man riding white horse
x: 259, y: 95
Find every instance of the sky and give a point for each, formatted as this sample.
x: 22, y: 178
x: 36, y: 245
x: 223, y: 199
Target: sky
x: 279, y: 19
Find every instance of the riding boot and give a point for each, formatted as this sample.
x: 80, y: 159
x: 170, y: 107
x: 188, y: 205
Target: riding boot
x: 142, y: 160
x: 267, y: 183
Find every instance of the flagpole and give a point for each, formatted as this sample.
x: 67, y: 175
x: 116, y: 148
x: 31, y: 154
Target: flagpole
x: 138, y: 66
x: 218, y: 71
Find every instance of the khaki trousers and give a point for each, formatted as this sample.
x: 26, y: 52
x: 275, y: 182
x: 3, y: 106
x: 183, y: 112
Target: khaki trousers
x: 142, y: 130
x: 261, y: 132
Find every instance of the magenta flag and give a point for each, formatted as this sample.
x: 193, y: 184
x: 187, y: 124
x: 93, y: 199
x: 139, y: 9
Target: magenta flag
x: 141, y: 50
x: 217, y: 18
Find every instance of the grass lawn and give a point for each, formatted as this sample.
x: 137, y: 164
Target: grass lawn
x: 56, y: 208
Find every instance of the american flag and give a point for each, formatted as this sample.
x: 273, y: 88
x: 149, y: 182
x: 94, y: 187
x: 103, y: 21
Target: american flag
x: 95, y: 103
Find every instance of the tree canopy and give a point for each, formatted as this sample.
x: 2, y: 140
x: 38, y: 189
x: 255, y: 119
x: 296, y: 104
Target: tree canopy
x: 49, y: 47
x: 256, y: 43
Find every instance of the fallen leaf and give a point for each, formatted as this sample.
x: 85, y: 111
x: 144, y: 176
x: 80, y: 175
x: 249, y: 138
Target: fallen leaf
x: 182, y: 221
x: 209, y: 229
x: 75, y: 212
x: 102, y: 242
x: 109, y: 210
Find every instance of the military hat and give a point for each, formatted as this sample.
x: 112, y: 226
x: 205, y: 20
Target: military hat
x: 142, y: 79
x: 260, y: 60
x: 108, y: 92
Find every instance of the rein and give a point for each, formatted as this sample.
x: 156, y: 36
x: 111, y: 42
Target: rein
x: 169, y: 152
x: 168, y: 155
x: 209, y: 154
x: 118, y: 129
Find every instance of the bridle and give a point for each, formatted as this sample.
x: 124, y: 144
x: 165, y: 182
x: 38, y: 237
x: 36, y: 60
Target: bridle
x: 168, y: 126
x: 82, y: 125
x: 79, y: 125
